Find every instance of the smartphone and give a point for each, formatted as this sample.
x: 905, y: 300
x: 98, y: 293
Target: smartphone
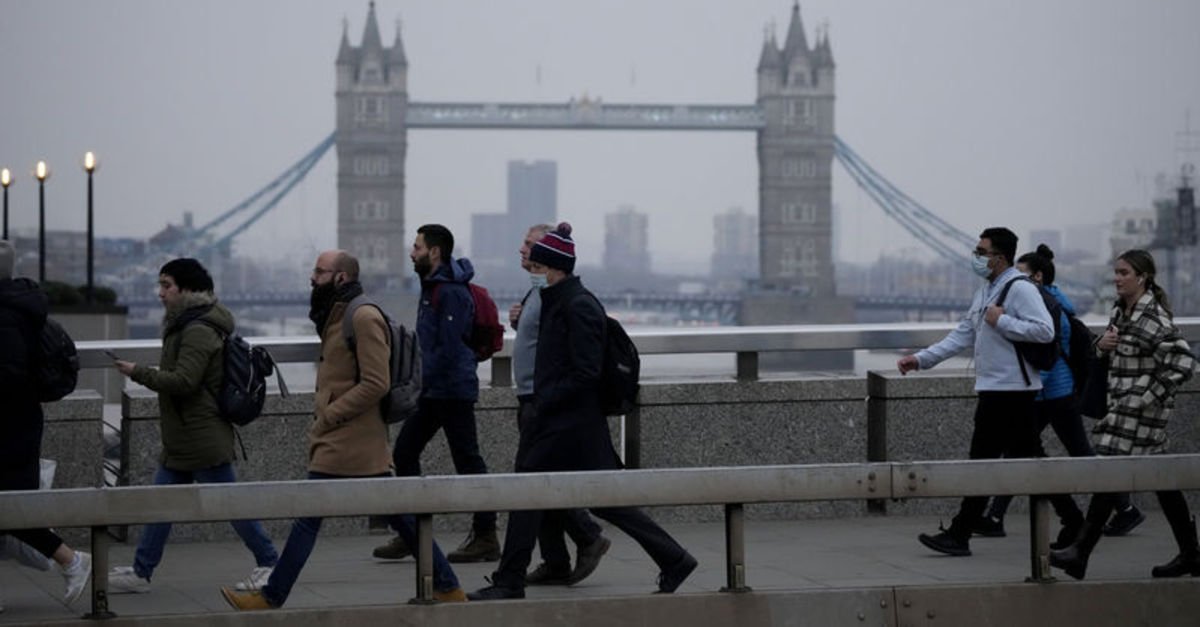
x: 111, y: 355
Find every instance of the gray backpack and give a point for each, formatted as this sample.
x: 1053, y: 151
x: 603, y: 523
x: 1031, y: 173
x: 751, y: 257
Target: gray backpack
x: 404, y: 359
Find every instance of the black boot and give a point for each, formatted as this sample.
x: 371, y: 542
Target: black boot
x: 1188, y: 560
x: 1074, y: 559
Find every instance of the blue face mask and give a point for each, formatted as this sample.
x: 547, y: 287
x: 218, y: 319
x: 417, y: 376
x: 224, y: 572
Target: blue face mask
x: 979, y: 265
x: 538, y: 281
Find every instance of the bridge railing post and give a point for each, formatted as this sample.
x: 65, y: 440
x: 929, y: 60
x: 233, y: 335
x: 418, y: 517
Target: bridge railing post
x: 99, y: 575
x: 424, y: 556
x: 1039, y: 540
x: 735, y: 548
x: 502, y: 372
x: 747, y: 366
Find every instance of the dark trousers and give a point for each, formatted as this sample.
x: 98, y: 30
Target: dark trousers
x: 21, y: 435
x: 1004, y: 425
x: 573, y: 522
x: 523, y: 528
x: 457, y: 419
x: 303, y: 539
x: 1061, y: 415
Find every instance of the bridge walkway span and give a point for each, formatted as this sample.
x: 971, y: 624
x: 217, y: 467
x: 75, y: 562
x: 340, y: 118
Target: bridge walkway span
x: 806, y: 572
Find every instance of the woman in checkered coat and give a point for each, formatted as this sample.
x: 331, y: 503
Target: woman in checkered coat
x: 1148, y: 361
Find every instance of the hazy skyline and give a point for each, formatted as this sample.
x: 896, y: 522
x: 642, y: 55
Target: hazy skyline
x: 1029, y: 114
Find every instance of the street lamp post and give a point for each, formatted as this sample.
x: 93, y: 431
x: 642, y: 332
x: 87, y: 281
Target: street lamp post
x: 89, y: 165
x: 41, y: 172
x: 5, y: 181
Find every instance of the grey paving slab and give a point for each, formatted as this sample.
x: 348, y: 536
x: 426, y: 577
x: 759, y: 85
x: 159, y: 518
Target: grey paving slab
x: 862, y: 552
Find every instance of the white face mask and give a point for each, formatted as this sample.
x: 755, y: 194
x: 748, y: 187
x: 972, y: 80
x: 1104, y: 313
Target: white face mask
x: 979, y: 265
x: 538, y: 280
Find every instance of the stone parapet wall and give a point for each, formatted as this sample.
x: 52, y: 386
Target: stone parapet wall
x: 820, y: 419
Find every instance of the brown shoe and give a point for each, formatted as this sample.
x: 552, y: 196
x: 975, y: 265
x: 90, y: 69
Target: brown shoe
x: 478, y: 547
x: 457, y: 595
x: 245, y: 600
x: 395, y: 549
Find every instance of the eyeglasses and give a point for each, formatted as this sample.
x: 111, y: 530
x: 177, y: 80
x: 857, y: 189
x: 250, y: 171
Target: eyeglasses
x: 979, y: 252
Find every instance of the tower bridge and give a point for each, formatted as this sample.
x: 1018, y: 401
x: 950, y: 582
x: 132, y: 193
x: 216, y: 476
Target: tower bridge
x: 792, y: 116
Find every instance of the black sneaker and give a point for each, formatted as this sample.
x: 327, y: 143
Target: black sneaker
x: 496, y: 593
x: 669, y: 580
x: 483, y: 546
x: 547, y: 575
x: 989, y: 527
x: 944, y: 542
x: 587, y: 558
x: 1066, y: 536
x: 1124, y: 521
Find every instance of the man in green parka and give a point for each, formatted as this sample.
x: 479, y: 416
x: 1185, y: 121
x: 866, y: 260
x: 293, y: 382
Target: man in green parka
x: 197, y: 441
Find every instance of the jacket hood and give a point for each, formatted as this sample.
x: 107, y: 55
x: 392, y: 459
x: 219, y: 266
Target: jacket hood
x: 24, y: 295
x: 456, y: 271
x: 1067, y: 305
x: 198, y: 306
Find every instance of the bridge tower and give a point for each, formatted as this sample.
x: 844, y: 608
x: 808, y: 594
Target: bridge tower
x: 372, y: 99
x: 795, y: 161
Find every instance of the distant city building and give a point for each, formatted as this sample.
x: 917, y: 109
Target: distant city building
x: 532, y: 194
x: 1087, y: 241
x: 626, y: 245
x: 488, y: 245
x: 1132, y: 228
x: 372, y: 92
x: 735, y: 245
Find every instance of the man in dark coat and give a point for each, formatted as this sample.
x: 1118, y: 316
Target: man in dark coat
x: 23, y: 308
x: 568, y: 430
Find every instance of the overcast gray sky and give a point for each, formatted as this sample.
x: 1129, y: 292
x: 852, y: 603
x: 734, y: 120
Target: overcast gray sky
x: 987, y: 111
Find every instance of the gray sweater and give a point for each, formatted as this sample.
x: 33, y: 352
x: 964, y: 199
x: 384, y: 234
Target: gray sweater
x: 525, y: 346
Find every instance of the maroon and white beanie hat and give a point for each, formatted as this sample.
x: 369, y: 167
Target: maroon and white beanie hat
x: 556, y: 249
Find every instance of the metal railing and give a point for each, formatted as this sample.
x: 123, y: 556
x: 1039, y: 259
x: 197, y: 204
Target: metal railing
x: 746, y: 342
x: 730, y: 487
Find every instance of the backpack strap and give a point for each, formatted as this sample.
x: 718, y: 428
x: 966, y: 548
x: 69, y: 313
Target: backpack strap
x: 1000, y: 303
x: 348, y: 326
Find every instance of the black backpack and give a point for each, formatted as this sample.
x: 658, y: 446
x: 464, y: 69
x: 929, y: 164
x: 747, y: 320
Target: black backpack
x: 244, y: 373
x: 1039, y: 355
x: 57, y: 364
x: 620, y: 372
x: 1079, y: 353
x: 404, y: 363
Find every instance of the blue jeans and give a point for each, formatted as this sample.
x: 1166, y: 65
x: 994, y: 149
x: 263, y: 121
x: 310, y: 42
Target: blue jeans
x: 303, y: 538
x: 154, y: 537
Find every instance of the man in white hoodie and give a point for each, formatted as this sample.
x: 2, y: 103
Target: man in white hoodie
x: 1004, y: 411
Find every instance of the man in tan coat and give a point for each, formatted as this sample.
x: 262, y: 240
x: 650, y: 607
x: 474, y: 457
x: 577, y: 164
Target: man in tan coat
x: 348, y: 437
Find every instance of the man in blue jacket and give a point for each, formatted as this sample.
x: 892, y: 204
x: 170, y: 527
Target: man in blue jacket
x: 1004, y: 411
x: 449, y: 384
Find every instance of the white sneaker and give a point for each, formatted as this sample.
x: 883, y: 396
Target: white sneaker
x: 256, y: 579
x: 77, y: 576
x: 124, y: 580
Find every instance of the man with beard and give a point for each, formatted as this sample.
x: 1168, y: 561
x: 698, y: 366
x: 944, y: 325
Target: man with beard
x: 568, y: 430
x: 449, y: 384
x: 347, y: 437
x: 22, y: 314
x: 197, y: 443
